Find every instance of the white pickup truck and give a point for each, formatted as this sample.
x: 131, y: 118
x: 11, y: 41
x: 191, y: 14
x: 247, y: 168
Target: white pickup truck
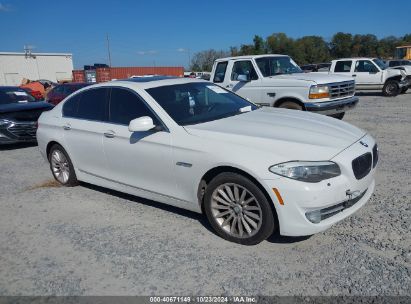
x: 371, y: 74
x: 277, y: 81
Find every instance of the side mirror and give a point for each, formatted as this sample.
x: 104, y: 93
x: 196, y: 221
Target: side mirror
x: 141, y: 124
x: 242, y: 78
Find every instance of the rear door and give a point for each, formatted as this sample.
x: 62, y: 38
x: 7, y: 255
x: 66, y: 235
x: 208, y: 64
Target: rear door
x: 84, y: 123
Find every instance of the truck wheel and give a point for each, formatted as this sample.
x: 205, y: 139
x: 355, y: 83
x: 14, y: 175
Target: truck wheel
x: 391, y: 88
x: 291, y: 105
x: 338, y: 115
x: 404, y: 90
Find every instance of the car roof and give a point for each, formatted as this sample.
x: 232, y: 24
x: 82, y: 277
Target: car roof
x: 250, y: 56
x: 147, y: 84
x: 7, y: 88
x: 148, y: 78
x: 355, y: 58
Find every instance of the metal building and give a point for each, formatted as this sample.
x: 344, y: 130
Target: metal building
x: 34, y: 66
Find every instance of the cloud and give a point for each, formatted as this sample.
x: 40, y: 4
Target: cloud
x: 4, y: 7
x: 151, y: 52
x: 181, y: 50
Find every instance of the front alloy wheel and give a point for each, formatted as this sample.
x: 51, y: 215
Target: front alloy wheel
x: 238, y: 210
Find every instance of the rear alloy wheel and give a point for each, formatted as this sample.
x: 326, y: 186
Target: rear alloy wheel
x: 291, y: 105
x: 61, y: 166
x: 238, y: 210
x: 391, y: 88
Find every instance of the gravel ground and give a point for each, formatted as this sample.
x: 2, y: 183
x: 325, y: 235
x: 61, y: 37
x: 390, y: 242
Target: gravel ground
x: 92, y: 241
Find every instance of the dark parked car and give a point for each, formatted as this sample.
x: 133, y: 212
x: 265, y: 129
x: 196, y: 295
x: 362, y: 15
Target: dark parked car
x: 19, y: 112
x: 61, y: 91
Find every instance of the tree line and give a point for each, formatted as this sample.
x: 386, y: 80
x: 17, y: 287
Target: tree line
x: 307, y: 49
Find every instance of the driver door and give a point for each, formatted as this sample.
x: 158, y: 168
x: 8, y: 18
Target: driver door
x: 366, y: 74
x: 244, y: 80
x: 142, y: 160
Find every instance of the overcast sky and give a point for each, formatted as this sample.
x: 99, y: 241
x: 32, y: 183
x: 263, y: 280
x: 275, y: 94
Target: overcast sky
x: 166, y: 33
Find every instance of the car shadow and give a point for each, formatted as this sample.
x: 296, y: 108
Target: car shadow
x: 5, y: 147
x: 276, y: 238
x: 180, y: 211
x: 379, y: 94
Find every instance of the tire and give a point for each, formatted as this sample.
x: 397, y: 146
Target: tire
x: 247, y: 223
x: 61, y: 166
x: 338, y: 115
x: 391, y: 88
x: 404, y: 90
x: 290, y: 105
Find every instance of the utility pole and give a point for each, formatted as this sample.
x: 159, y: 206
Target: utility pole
x: 108, y: 50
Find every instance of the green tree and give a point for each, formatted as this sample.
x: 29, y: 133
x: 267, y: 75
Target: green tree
x: 311, y: 49
x: 279, y: 43
x: 259, y: 45
x: 341, y: 45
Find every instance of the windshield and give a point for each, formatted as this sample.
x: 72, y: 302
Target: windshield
x: 14, y: 95
x: 271, y: 66
x: 381, y: 64
x: 198, y: 102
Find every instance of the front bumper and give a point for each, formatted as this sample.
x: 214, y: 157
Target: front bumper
x: 405, y: 83
x: 332, y: 197
x: 333, y: 106
x: 18, y: 132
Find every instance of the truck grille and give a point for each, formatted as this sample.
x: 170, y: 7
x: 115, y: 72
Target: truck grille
x: 342, y: 89
x: 23, y: 130
x: 361, y: 166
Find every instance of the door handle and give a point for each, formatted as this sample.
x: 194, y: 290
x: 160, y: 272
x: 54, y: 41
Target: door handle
x: 109, y: 134
x: 354, y: 75
x: 229, y: 86
x: 67, y: 127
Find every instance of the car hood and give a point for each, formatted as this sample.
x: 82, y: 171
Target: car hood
x: 314, y: 77
x: 288, y: 134
x: 405, y: 68
x: 24, y: 106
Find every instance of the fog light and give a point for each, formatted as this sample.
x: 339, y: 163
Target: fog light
x: 314, y: 216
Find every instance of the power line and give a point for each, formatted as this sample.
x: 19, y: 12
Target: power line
x: 108, y: 49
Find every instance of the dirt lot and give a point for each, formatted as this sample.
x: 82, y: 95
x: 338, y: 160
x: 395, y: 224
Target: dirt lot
x: 88, y: 241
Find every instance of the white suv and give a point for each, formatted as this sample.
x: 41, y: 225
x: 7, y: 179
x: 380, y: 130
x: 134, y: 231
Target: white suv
x: 195, y: 145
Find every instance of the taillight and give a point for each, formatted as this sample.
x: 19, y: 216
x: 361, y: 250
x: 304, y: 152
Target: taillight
x: 37, y: 124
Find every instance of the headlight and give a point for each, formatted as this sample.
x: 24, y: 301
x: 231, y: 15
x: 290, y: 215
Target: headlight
x: 4, y: 122
x: 319, y: 91
x: 310, y: 172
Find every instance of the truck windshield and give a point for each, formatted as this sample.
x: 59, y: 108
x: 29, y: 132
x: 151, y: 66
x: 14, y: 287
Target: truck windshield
x: 199, y: 102
x: 380, y: 63
x: 271, y: 66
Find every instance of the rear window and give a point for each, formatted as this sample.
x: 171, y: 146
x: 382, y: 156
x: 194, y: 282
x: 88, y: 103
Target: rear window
x: 343, y: 66
x: 90, y: 105
x: 14, y: 95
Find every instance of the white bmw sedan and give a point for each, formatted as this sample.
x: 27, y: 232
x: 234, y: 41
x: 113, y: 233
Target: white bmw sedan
x: 195, y: 145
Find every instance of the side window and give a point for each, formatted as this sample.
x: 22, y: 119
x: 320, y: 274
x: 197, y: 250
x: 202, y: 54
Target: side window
x: 126, y: 106
x: 343, y: 66
x: 93, y: 104
x: 70, y: 107
x: 365, y: 66
x: 220, y: 72
x: 244, y: 68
